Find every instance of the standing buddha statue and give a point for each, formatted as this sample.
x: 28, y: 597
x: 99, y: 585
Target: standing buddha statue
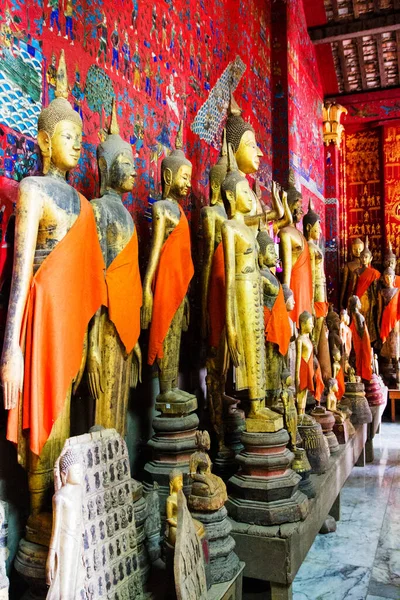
x: 244, y: 312
x: 390, y: 260
x: 169, y: 273
x: 213, y: 295
x: 360, y: 339
x: 57, y: 286
x: 357, y: 246
x: 304, y: 361
x: 388, y: 318
x: 114, y: 357
x: 276, y: 320
x: 295, y: 256
x: 365, y: 287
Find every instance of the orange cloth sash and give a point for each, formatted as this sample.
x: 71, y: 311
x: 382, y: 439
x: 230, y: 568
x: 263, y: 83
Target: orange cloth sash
x: 65, y: 293
x: 124, y: 288
x: 341, y: 386
x: 390, y: 317
x: 319, y: 384
x: 366, y: 278
x: 397, y: 281
x: 216, y: 297
x: 276, y: 323
x: 170, y: 285
x: 362, y: 349
x: 301, y: 284
x: 320, y: 309
x: 307, y: 374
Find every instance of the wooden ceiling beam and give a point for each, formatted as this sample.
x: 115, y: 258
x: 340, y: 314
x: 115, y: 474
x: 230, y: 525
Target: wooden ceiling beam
x: 360, y: 54
x: 371, y: 25
x: 381, y: 62
x: 343, y: 67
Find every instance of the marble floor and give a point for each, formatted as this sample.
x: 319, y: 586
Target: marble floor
x: 361, y: 560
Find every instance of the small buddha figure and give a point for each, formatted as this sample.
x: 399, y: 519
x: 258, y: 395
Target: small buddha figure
x: 213, y: 295
x: 291, y: 355
x: 244, y: 312
x: 208, y: 490
x: 289, y: 407
x: 65, y: 570
x: 357, y: 246
x: 304, y: 361
x: 56, y: 289
x: 169, y: 273
x: 240, y: 134
x: 114, y: 357
x: 332, y: 399
x: 175, y: 485
x: 388, y: 317
x: 390, y: 260
x: 312, y: 233
x: 295, y: 256
x: 365, y: 280
x: 338, y: 372
x: 361, y: 340
x: 276, y: 320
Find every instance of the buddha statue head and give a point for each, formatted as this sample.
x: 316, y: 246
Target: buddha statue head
x: 336, y: 355
x: 388, y: 277
x: 241, y: 135
x: 236, y: 192
x: 311, y: 224
x: 267, y: 256
x: 306, y: 322
x: 390, y: 259
x: 60, y: 128
x: 357, y: 246
x: 366, y: 255
x: 354, y: 304
x: 294, y: 199
x: 332, y: 385
x: 115, y: 160
x: 288, y: 296
x: 175, y: 481
x: 70, y: 467
x: 218, y: 173
x: 344, y: 316
x: 176, y: 171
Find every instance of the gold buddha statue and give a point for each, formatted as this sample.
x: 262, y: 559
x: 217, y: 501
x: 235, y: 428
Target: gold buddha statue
x: 114, y: 358
x: 49, y: 307
x: 295, y: 256
x: 241, y: 135
x: 365, y: 280
x: 244, y: 306
x: 65, y: 570
x: 357, y: 246
x: 213, y: 295
x: 304, y: 361
x: 208, y: 490
x: 289, y: 408
x: 175, y: 485
x: 169, y: 272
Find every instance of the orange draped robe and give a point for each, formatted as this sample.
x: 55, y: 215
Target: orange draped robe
x: 216, y: 297
x: 174, y: 273
x: 319, y: 384
x: 320, y: 309
x: 362, y: 349
x: 367, y: 277
x: 276, y: 323
x: 390, y: 316
x: 124, y: 289
x: 66, y: 291
x: 341, y: 385
x: 301, y: 284
x: 307, y: 374
x: 397, y: 281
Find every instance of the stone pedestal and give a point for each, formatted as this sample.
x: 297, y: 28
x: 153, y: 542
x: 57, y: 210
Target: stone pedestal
x: 30, y: 564
x: 314, y: 443
x: 375, y: 391
x: 234, y: 425
x: 173, y: 443
x: 327, y: 421
x: 224, y: 563
x: 343, y: 431
x: 265, y: 489
x: 354, y: 398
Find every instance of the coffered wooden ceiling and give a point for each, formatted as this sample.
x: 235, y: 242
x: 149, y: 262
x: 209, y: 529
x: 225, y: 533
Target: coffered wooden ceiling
x: 364, y: 36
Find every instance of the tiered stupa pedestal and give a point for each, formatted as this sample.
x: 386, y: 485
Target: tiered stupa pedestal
x: 265, y: 489
x: 173, y: 443
x: 327, y: 421
x: 314, y: 443
x: 354, y: 398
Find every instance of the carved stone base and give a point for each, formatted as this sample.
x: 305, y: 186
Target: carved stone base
x: 314, y: 443
x: 30, y: 563
x: 375, y: 391
x: 332, y: 442
x: 355, y: 399
x: 140, y: 515
x: 173, y: 443
x: 224, y: 563
x: 265, y: 490
x: 343, y: 431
